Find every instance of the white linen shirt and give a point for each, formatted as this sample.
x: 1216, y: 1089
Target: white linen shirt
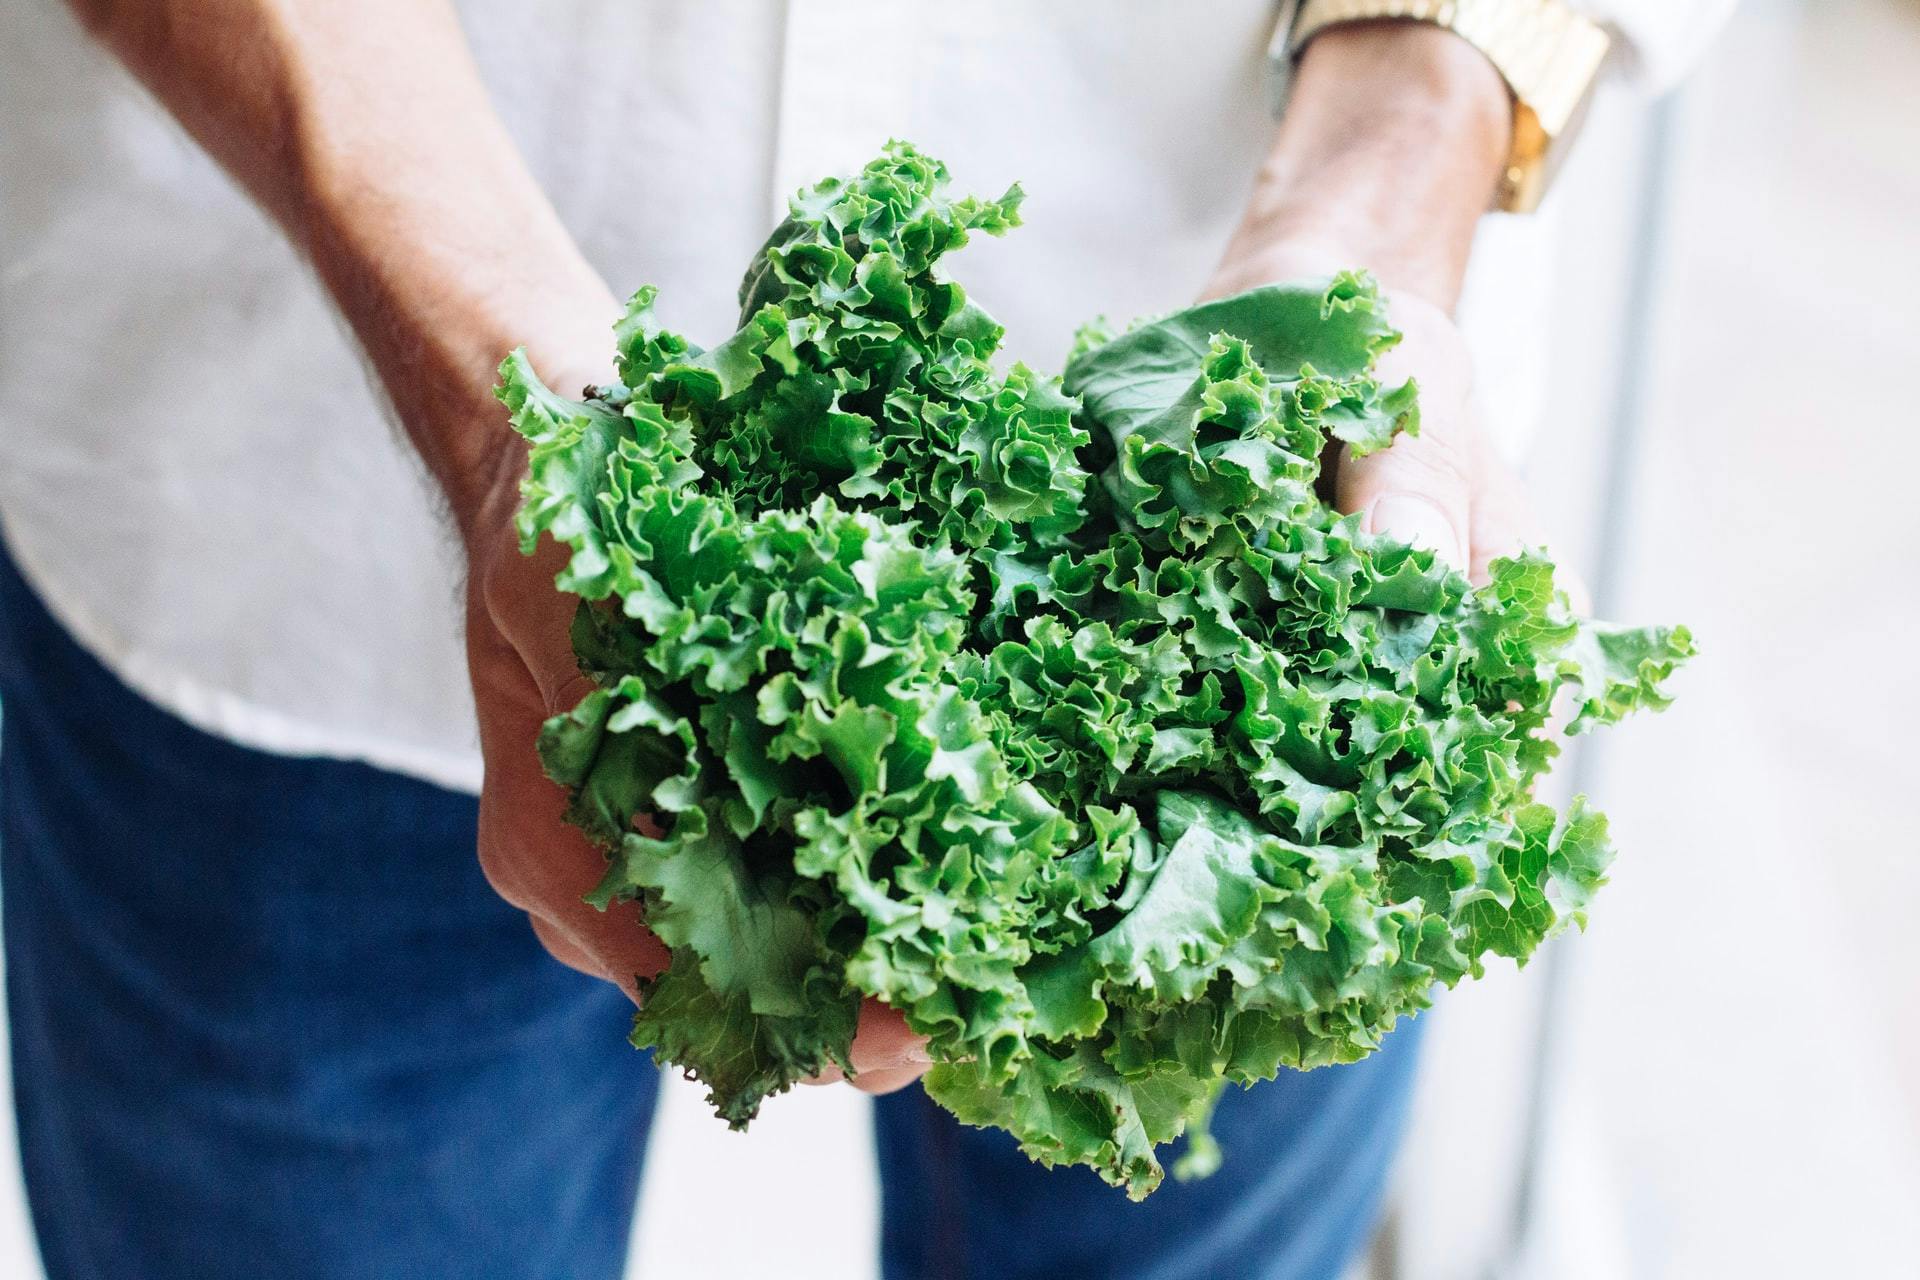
x: 197, y: 477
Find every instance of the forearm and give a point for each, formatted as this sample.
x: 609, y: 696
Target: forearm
x: 362, y: 127
x: 1391, y: 148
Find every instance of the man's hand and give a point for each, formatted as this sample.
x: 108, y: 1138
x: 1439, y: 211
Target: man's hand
x: 523, y: 671
x: 1390, y: 151
x: 1445, y: 489
x: 363, y: 128
x: 521, y: 660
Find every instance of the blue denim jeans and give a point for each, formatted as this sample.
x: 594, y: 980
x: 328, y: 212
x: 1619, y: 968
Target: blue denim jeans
x: 268, y: 1020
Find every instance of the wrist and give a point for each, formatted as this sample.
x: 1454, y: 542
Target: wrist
x: 437, y: 294
x: 443, y: 254
x: 1394, y: 142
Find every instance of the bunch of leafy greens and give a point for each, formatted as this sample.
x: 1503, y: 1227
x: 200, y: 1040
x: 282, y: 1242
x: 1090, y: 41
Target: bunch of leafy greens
x: 1064, y: 717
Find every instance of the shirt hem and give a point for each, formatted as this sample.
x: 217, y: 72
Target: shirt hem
x: 237, y: 719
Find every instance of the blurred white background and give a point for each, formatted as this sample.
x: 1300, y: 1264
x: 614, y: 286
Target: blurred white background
x: 1732, y: 1079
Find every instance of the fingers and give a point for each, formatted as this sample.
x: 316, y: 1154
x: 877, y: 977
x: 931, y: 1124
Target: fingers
x: 878, y: 1083
x: 613, y: 945
x: 1446, y: 489
x: 1421, y: 489
x: 534, y: 858
x: 887, y: 1054
x: 549, y: 884
x: 546, y: 869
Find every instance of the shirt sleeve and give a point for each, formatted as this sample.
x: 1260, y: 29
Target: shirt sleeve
x: 1656, y: 42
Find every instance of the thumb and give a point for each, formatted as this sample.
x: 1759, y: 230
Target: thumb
x: 1412, y: 504
x: 1420, y: 490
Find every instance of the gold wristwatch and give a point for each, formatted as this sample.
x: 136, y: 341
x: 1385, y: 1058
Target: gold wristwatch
x: 1549, y: 55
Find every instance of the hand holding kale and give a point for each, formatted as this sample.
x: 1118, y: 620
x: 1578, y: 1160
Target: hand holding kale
x: 1065, y: 717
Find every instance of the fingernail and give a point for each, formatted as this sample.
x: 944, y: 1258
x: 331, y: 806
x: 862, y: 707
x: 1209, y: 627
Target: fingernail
x: 1414, y: 519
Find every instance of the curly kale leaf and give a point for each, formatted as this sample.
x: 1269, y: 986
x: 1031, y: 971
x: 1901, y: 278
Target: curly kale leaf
x: 1062, y: 716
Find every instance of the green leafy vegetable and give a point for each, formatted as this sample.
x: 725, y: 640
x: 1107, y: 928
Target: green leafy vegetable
x: 1063, y: 716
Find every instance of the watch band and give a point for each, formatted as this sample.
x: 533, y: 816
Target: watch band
x: 1549, y: 55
